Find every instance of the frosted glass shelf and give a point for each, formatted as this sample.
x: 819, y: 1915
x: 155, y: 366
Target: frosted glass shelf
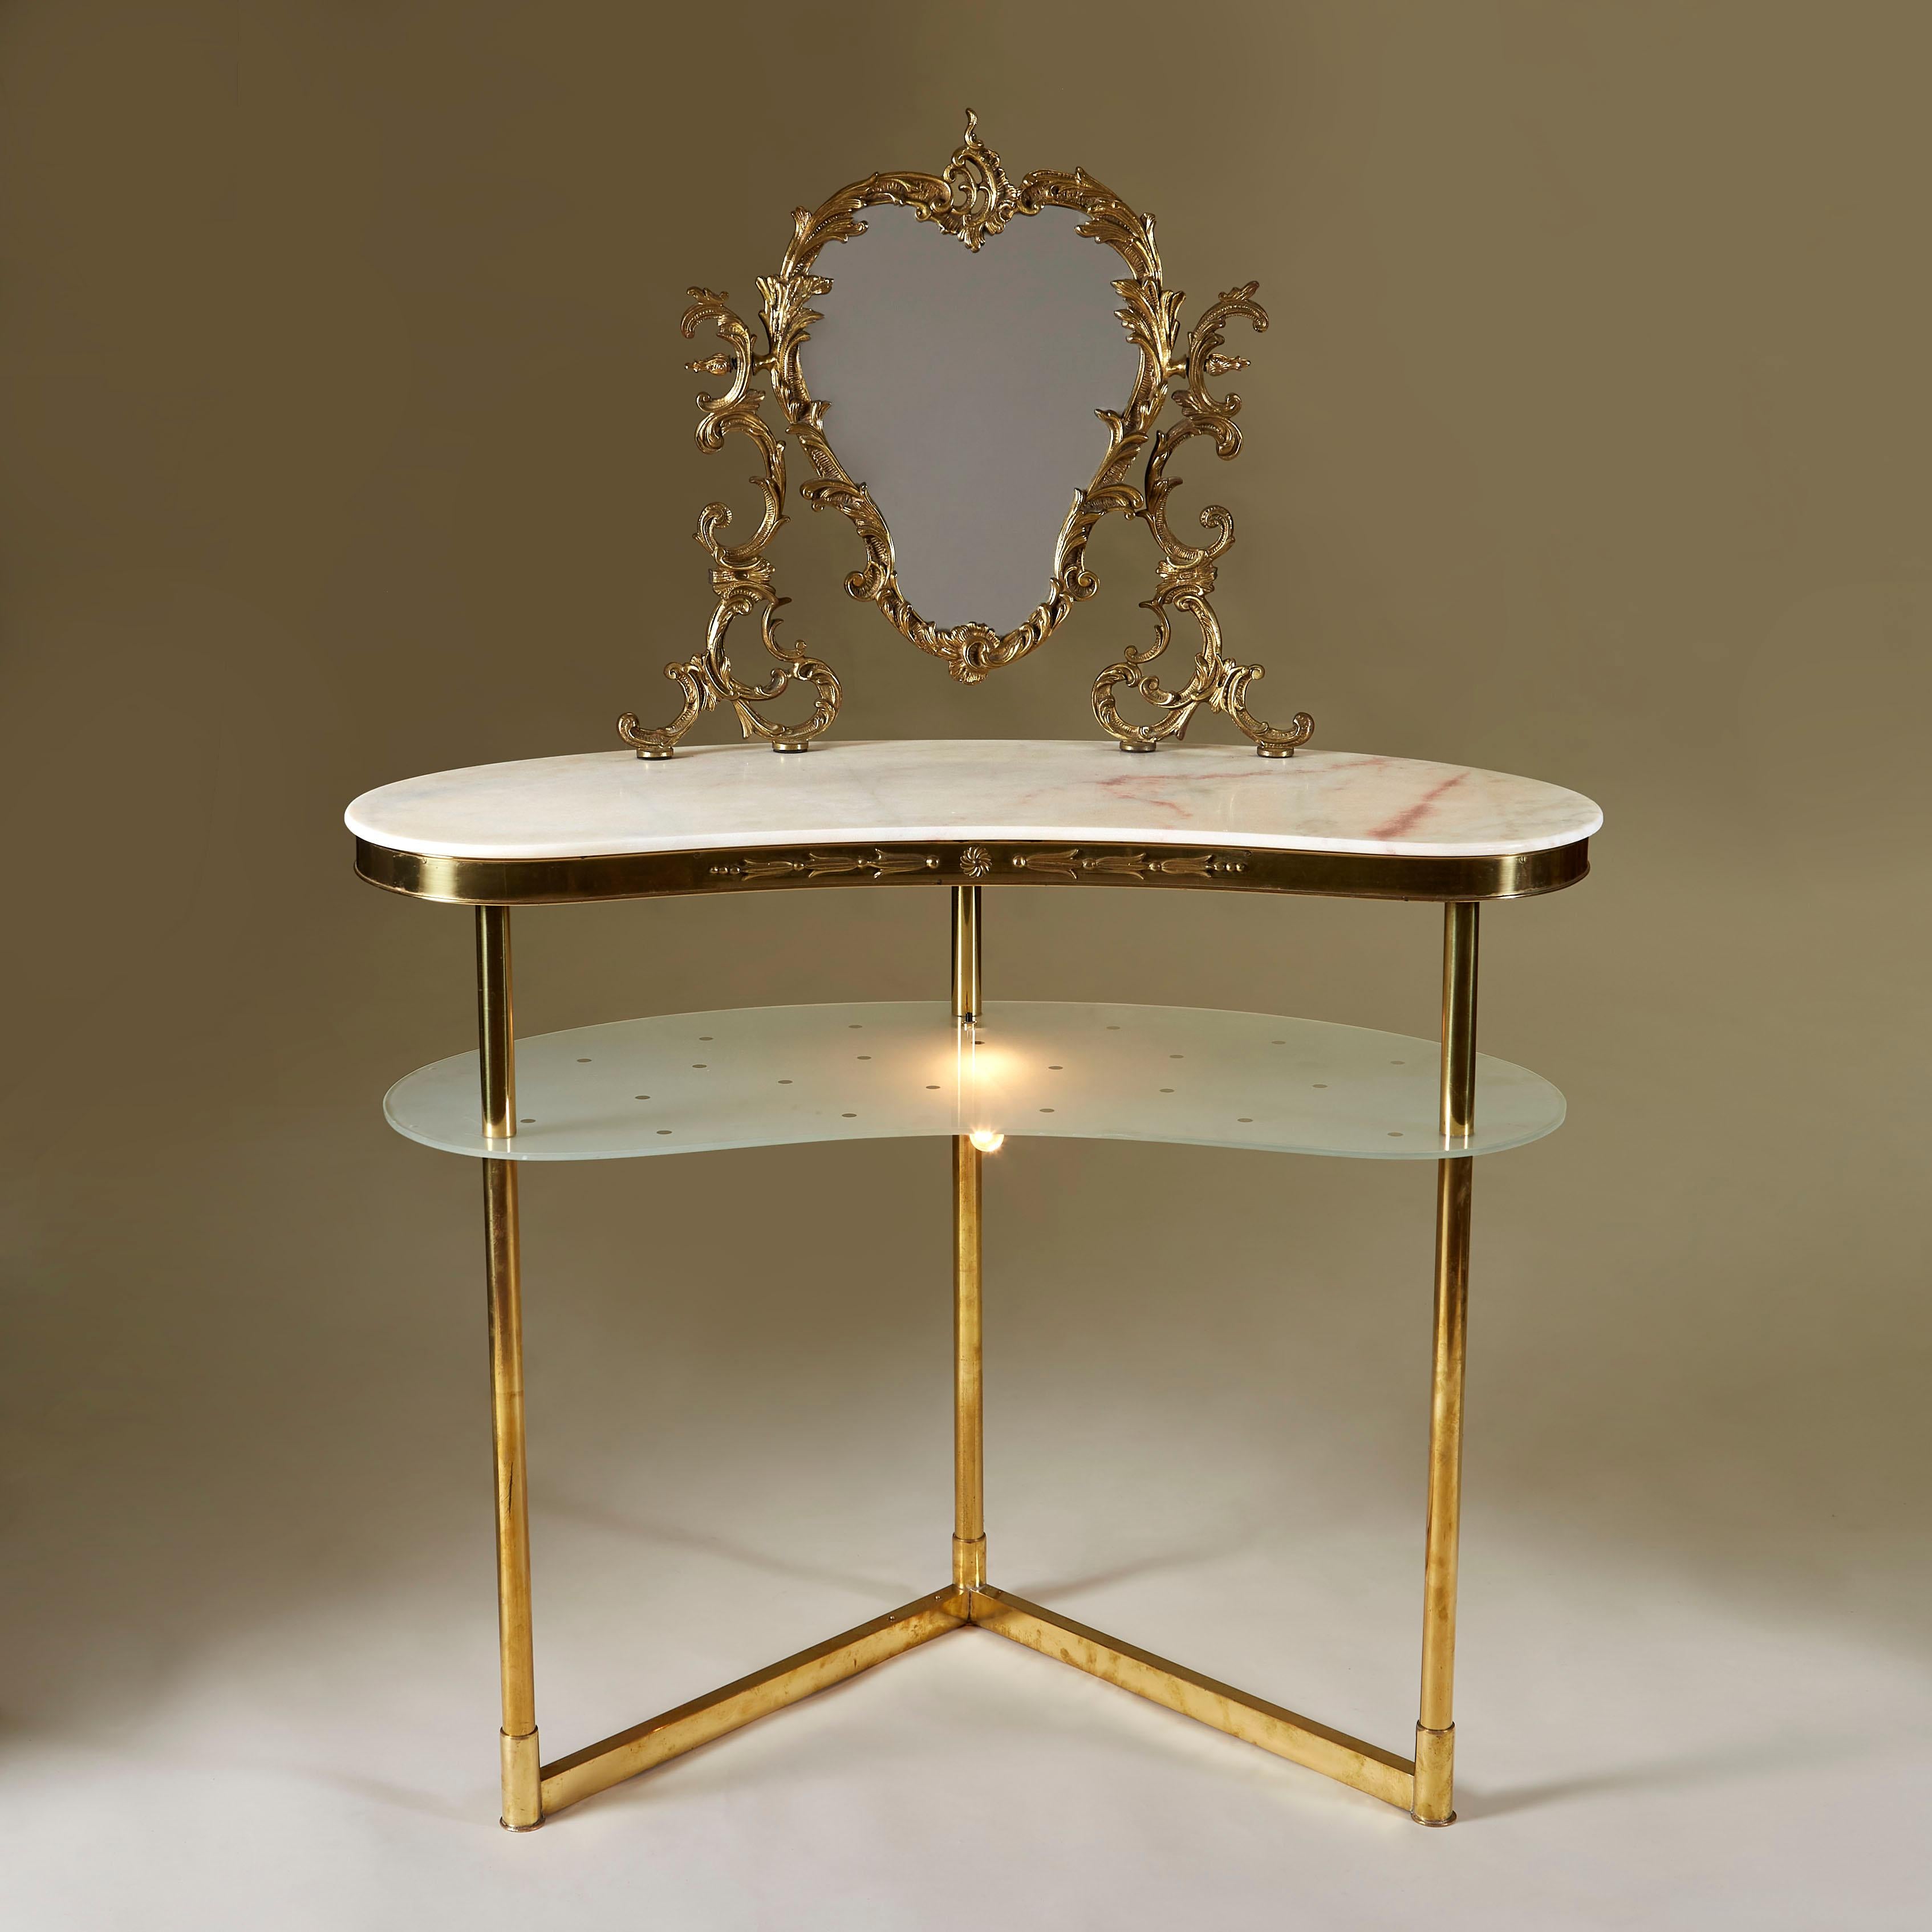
x: 765, y: 1076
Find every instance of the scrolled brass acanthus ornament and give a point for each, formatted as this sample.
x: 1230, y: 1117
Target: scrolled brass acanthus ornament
x: 973, y: 199
x: 740, y: 575
x: 1185, y: 573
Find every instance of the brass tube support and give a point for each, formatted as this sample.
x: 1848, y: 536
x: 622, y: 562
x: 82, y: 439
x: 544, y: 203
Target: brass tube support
x: 969, y: 1509
x: 969, y: 1504
x: 523, y: 1806
x: 495, y: 1023
x: 966, y: 952
x: 1455, y: 1175
x: 1458, y: 1018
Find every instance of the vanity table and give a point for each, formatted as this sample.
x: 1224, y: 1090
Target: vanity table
x: 966, y: 817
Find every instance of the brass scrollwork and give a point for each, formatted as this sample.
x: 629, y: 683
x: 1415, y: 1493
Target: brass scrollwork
x: 1185, y: 575
x: 973, y: 199
x: 740, y: 575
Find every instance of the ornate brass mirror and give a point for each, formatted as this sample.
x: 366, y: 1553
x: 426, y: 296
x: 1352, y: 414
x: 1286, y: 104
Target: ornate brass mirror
x: 990, y: 404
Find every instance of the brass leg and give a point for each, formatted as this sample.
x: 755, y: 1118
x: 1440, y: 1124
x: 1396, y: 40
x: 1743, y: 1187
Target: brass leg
x: 523, y: 1807
x: 969, y: 1515
x: 1436, y: 1725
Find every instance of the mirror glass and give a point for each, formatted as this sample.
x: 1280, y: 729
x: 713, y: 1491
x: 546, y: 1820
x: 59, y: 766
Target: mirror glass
x: 961, y: 387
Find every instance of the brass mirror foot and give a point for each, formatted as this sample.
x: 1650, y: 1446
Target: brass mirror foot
x: 741, y: 574
x: 1185, y: 573
x: 1217, y: 684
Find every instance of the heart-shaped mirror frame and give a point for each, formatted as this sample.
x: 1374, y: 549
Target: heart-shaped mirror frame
x: 973, y: 199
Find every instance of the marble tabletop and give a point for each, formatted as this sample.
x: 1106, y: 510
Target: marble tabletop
x: 722, y: 797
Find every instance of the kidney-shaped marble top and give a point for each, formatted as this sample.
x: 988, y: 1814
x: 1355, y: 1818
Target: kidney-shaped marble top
x: 722, y: 797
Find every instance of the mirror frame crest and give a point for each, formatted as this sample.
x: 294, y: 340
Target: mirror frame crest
x: 973, y: 199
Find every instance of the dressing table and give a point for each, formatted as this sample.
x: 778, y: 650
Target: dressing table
x: 657, y: 818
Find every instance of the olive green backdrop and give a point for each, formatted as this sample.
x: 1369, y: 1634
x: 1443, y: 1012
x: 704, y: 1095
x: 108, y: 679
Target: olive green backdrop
x: 344, y: 436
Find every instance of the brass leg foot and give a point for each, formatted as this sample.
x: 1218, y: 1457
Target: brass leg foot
x: 1435, y: 1776
x: 523, y: 1781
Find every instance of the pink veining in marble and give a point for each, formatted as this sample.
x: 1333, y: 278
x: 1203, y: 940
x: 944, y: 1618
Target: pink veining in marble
x: 711, y: 797
x: 1411, y: 816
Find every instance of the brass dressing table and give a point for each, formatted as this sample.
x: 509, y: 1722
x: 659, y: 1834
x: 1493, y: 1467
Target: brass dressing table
x: 961, y: 817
